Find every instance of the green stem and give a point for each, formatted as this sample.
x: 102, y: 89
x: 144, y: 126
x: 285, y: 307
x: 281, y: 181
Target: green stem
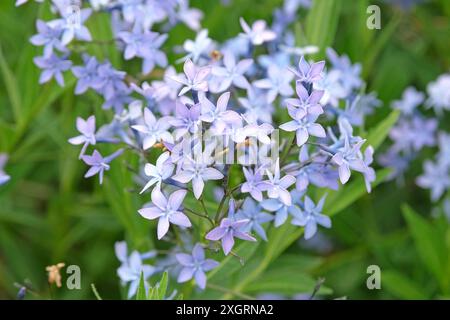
x: 230, y: 292
x: 200, y: 215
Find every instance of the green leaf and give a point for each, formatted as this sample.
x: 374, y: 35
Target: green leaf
x: 322, y: 21
x: 162, y: 286
x: 339, y: 200
x: 401, y: 287
x: 152, y: 293
x: 286, y: 281
x: 11, y: 86
x: 429, y: 242
x: 378, y: 134
x: 231, y: 263
x: 140, y: 295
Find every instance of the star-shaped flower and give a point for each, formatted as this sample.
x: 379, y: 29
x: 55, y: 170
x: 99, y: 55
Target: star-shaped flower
x: 166, y: 211
x: 98, y: 163
x: 154, y: 130
x: 195, y: 266
x: 87, y: 137
x: 311, y: 216
x: 162, y: 171
x: 258, y: 33
x: 194, y: 79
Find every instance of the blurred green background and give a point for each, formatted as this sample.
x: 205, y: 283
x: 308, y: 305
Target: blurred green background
x: 49, y: 213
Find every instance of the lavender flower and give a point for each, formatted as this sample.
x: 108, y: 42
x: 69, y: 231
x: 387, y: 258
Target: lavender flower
x: 4, y: 178
x: 307, y: 103
x: 87, y: 75
x: 349, y: 158
x: 153, y: 130
x: 311, y: 216
x: 198, y: 171
x: 231, y: 72
x: 53, y: 67
x: 258, y: 33
x: 98, y: 163
x: 73, y: 29
x: 189, y: 16
x: 308, y: 73
x: 195, y: 266
x: 281, y: 210
x: 228, y: 230
x: 253, y: 184
x: 436, y: 178
x: 219, y: 116
x: 439, y: 95
x: 201, y: 46
x: 49, y: 37
x: 131, y: 269
x: 144, y: 45
x: 277, y: 83
x: 277, y: 187
x: 349, y: 74
x: 195, y: 78
x: 411, y: 99
x: 166, y: 211
x: 252, y: 212
x: 162, y: 171
x: 87, y: 137
x: 304, y: 126
x: 186, y: 120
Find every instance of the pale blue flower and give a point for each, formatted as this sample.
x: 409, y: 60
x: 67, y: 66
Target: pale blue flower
x: 304, y: 126
x: 439, y: 94
x: 201, y: 46
x: 53, y: 67
x: 229, y: 229
x: 349, y: 157
x: 252, y: 212
x: 436, y: 177
x: 411, y: 99
x: 73, y: 25
x: 311, y: 216
x: 253, y: 183
x: 144, y: 44
x: 87, y: 130
x: 308, y: 73
x: 277, y: 83
x: 87, y: 75
x: 218, y: 115
x: 99, y: 164
x: 277, y: 186
x: 306, y: 103
x: 166, y: 211
x: 131, y: 269
x: 194, y: 79
x: 258, y: 33
x: 153, y: 130
x: 231, y: 73
x: 198, y: 171
x: 189, y: 16
x: 186, y: 120
x: 349, y: 73
x: 281, y: 210
x: 159, y: 172
x: 49, y: 37
x: 195, y: 266
x: 4, y: 178
x: 256, y: 105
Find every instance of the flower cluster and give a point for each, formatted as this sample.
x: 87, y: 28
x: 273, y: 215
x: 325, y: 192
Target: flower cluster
x: 414, y: 131
x: 277, y: 116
